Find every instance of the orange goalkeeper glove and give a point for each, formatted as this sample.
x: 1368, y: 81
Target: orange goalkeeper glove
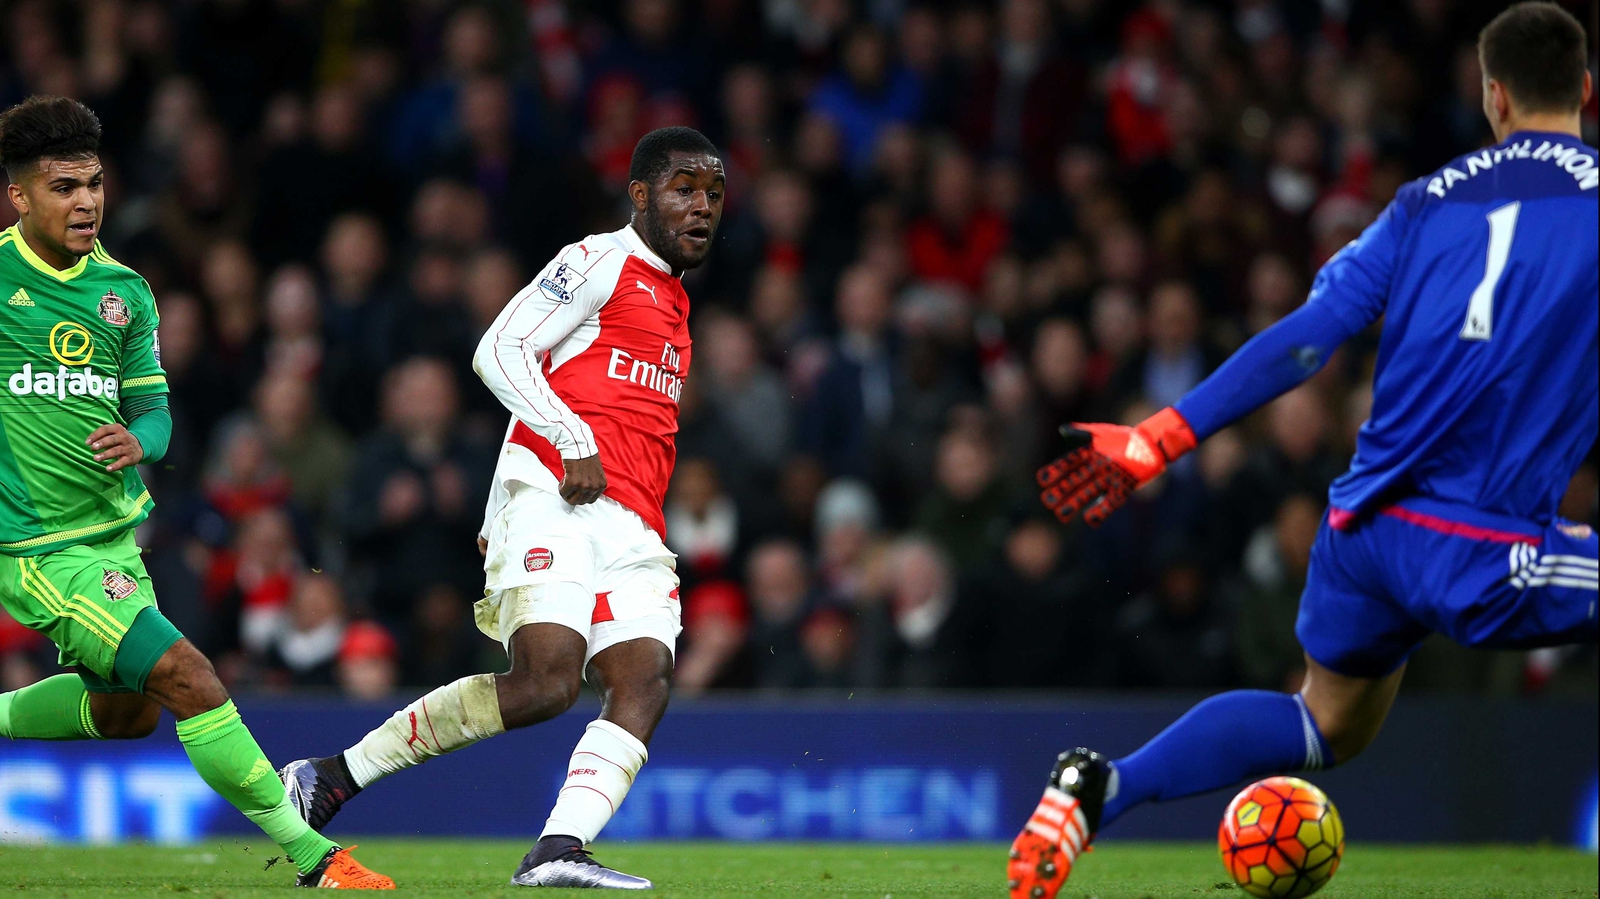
x: 1106, y: 463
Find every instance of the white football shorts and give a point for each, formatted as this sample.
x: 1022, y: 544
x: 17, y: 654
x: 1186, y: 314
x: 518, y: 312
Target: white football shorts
x: 597, y: 569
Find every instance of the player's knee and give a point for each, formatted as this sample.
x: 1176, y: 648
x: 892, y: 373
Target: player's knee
x: 647, y: 689
x: 1343, y: 728
x: 185, y: 682
x: 529, y: 697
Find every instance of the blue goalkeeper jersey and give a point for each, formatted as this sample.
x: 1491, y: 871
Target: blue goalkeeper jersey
x: 1487, y: 388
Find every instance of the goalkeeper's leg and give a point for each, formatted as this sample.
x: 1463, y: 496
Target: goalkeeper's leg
x: 1229, y: 738
x: 1233, y: 737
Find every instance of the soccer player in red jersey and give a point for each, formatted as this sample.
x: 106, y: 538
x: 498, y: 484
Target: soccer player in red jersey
x: 590, y: 359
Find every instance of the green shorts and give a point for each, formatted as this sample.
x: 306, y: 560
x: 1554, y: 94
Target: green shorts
x: 86, y: 599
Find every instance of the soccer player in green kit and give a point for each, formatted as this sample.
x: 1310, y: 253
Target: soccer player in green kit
x: 83, y: 401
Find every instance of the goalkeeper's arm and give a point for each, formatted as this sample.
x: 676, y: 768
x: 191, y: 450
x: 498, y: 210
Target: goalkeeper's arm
x: 1106, y: 463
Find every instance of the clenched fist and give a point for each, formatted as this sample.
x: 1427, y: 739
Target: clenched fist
x: 585, y: 480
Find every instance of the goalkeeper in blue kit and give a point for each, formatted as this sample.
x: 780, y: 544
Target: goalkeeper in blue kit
x: 1485, y: 400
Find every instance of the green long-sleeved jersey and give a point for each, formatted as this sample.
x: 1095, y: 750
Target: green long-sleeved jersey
x: 73, y: 345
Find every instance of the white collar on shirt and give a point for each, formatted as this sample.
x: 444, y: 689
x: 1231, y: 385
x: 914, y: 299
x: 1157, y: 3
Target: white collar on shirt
x: 635, y: 243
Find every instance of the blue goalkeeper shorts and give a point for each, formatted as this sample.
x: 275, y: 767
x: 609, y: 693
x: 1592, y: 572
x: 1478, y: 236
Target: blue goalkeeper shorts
x: 1380, y: 583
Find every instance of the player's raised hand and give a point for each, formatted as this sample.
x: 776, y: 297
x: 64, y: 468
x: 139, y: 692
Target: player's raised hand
x: 585, y: 480
x: 113, y: 442
x: 1106, y: 463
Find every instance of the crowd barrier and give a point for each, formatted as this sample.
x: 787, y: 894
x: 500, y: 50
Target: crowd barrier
x: 889, y: 769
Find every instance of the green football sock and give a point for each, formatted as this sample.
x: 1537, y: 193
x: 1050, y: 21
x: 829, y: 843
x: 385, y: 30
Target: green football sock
x: 56, y: 708
x: 228, y: 759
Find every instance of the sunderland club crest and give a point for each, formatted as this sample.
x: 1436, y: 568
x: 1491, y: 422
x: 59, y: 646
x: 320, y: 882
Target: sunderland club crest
x: 118, y: 585
x: 113, y: 309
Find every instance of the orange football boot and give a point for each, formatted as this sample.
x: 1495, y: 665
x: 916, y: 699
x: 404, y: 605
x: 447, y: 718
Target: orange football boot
x: 340, y: 871
x: 1061, y: 827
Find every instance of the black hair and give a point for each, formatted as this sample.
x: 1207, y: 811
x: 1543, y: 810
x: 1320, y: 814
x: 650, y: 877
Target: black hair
x: 46, y: 128
x: 1539, y: 52
x: 654, y: 151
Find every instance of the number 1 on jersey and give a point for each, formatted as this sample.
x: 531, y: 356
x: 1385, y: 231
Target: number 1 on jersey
x: 1480, y: 310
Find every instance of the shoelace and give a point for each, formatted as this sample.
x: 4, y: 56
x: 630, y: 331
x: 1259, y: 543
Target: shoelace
x: 578, y: 856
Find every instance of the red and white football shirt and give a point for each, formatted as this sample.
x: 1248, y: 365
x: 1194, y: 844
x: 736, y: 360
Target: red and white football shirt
x: 590, y: 358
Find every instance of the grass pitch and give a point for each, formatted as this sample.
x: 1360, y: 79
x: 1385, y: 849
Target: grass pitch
x: 481, y: 868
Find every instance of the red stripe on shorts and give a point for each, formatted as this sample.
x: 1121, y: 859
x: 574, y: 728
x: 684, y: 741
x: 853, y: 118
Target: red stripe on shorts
x: 1458, y: 528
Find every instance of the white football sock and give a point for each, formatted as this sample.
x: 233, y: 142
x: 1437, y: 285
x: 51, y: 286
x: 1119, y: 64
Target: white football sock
x: 455, y: 715
x: 602, y: 769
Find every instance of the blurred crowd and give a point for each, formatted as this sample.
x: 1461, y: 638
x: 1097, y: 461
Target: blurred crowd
x: 951, y: 226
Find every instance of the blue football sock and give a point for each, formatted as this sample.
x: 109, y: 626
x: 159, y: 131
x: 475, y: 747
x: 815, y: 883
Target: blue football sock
x: 1229, y: 738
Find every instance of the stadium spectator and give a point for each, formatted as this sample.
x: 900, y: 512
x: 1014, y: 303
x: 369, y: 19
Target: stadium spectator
x: 1268, y: 595
x: 367, y: 667
x: 306, y: 651
x: 1297, y: 458
x: 430, y: 319
x: 745, y: 393
x: 359, y: 303
x: 828, y: 641
x: 294, y: 322
x: 1036, y: 579
x: 241, y: 478
x: 703, y: 526
x: 714, y: 651
x: 442, y: 644
x: 253, y: 580
x: 964, y: 515
x: 203, y: 391
x: 416, y: 493
x: 1177, y: 356
x: 289, y: 220
x: 1059, y: 364
x: 958, y: 238
x: 868, y: 93
x: 845, y: 418
x: 917, y: 636
x: 1174, y: 635
x: 848, y: 543
x: 780, y: 590
x: 312, y: 453
x: 1023, y: 100
x: 424, y: 122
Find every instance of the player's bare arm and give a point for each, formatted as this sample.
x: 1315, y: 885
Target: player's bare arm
x: 116, y: 446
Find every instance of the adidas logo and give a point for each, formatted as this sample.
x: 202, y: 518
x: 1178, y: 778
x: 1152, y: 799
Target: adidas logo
x: 20, y: 298
x: 261, y: 769
x: 1139, y: 450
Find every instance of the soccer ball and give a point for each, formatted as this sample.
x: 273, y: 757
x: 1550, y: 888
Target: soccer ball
x: 1281, y: 838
